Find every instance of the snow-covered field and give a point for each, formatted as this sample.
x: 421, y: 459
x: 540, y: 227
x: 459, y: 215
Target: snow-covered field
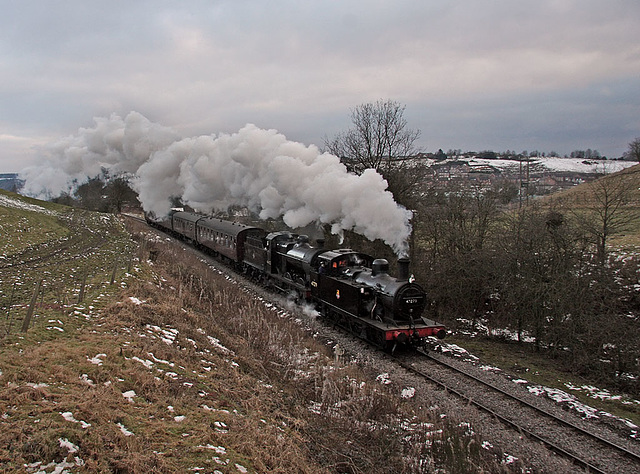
x: 548, y: 165
x: 6, y: 201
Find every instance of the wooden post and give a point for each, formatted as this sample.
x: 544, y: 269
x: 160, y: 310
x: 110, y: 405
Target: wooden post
x: 113, y: 274
x: 84, y: 282
x: 34, y: 300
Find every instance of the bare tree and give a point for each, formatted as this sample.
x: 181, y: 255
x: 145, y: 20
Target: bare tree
x: 380, y: 139
x: 607, y: 210
x: 633, y: 153
x: 119, y: 193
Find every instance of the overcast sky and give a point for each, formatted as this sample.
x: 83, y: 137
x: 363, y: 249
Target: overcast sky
x: 547, y: 75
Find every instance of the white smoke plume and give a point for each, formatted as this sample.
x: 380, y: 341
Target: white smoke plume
x: 256, y: 168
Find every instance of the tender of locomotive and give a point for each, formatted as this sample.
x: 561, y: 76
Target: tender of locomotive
x: 349, y: 288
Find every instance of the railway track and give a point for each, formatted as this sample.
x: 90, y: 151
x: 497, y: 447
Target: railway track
x: 586, y: 449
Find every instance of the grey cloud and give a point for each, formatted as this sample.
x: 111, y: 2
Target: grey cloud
x: 203, y: 67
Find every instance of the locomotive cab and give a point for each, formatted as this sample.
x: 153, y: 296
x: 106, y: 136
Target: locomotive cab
x: 343, y: 262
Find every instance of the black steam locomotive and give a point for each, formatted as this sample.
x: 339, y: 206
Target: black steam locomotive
x: 349, y: 288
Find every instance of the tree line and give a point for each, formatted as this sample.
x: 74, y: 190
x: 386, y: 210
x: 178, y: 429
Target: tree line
x: 103, y: 193
x: 543, y: 272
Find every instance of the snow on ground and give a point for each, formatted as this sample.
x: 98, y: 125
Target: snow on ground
x: 67, y: 415
x: 553, y: 165
x: 129, y: 395
x: 97, y: 360
x: 124, y: 430
x: 18, y: 204
x: 408, y: 392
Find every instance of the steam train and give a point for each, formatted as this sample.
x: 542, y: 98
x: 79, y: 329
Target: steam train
x: 349, y: 288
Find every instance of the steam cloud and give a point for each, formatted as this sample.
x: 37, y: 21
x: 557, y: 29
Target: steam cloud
x: 256, y: 168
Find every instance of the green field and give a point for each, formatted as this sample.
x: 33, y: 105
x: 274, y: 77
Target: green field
x: 58, y: 251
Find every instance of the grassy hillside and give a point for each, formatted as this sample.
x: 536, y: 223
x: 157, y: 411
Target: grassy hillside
x: 129, y: 365
x: 20, y: 217
x: 618, y: 193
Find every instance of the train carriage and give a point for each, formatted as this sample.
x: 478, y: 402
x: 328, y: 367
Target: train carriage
x: 184, y: 224
x: 226, y: 238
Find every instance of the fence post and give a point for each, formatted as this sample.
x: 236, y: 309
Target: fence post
x: 84, y: 282
x: 113, y: 274
x: 34, y: 300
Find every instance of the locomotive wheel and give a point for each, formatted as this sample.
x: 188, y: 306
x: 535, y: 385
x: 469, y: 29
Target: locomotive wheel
x: 378, y: 339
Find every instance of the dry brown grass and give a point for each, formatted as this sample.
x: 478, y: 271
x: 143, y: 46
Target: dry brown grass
x: 252, y: 387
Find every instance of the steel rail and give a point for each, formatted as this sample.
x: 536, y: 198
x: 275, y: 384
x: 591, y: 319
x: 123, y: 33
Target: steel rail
x: 569, y: 424
x: 551, y: 445
x: 555, y: 448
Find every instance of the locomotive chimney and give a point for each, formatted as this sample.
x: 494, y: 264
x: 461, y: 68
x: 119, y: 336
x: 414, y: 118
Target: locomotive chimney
x: 403, y: 269
x: 320, y: 243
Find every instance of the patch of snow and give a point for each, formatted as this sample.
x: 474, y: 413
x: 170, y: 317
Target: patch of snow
x: 160, y: 361
x: 217, y: 449
x: 85, y: 378
x: 456, y: 351
x: 6, y: 201
x: 61, y: 467
x: 67, y: 415
x: 70, y: 447
x: 408, y: 392
x: 97, y: 359
x: 129, y: 395
x: 147, y: 363
x: 489, y: 368
x: 563, y: 397
x: 124, y: 431
x: 383, y: 378
x: 221, y: 427
x: 216, y: 343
